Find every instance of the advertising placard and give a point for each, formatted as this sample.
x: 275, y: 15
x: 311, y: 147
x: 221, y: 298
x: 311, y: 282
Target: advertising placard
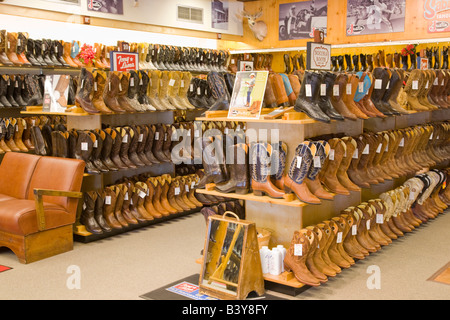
x: 124, y: 61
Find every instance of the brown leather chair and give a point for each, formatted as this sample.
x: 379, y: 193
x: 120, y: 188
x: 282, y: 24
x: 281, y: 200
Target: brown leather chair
x: 39, y: 197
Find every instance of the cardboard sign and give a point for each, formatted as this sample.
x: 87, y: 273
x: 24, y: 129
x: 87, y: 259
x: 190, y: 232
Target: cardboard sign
x: 318, y: 56
x: 124, y: 61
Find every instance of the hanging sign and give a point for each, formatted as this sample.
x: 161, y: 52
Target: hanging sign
x: 124, y: 61
x: 318, y: 56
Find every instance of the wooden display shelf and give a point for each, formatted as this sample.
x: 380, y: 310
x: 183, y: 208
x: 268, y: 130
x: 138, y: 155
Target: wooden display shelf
x: 289, y: 199
x: 37, y: 110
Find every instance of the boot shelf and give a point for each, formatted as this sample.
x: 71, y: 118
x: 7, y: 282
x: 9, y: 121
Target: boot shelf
x: 76, y: 111
x: 288, y: 200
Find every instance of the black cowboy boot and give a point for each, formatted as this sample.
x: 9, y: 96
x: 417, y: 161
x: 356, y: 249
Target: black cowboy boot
x: 348, y: 61
x: 307, y: 99
x: 355, y: 63
x: 324, y: 100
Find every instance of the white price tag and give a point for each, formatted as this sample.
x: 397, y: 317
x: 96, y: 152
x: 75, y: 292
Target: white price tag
x: 108, y: 200
x: 125, y: 197
x: 95, y: 86
x: 368, y: 224
x: 431, y: 137
x: 182, y: 83
x: 84, y: 146
x: 436, y: 81
x: 298, y: 249
x: 348, y: 88
x: 415, y: 85
x: 339, y: 237
x: 378, y: 83
x: 171, y: 82
x: 186, y: 187
x: 142, y: 194
x: 177, y: 191
x: 308, y: 90
x: 427, y: 85
x: 380, y: 218
x: 96, y: 144
x: 323, y: 90
x: 131, y: 82
x: 191, y: 88
x: 299, y: 162
x: 388, y: 84
x: 379, y: 148
x: 366, y: 149
x: 402, y: 142
x: 141, y: 137
x: 317, y: 163
x: 197, y: 133
x: 336, y: 90
x: 331, y: 155
x: 354, y: 230
x: 361, y: 87
x: 355, y: 154
x: 156, y: 135
x: 125, y: 139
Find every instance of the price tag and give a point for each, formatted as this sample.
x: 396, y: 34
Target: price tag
x: 96, y: 144
x: 84, y: 146
x: 388, y: 84
x: 298, y: 249
x: 141, y: 137
x: 95, y: 86
x: 415, y: 85
x: 361, y: 87
x: 431, y: 137
x: 366, y: 149
x: 402, y: 142
x: 199, y: 91
x: 348, y: 88
x: 355, y: 154
x: 427, y: 85
x: 177, y: 191
x: 108, y: 200
x: 182, y: 83
x: 378, y: 84
x: 125, y: 139
x: 131, y: 82
x: 299, y: 162
x: 156, y: 135
x: 186, y: 187
x: 171, y: 82
x: 191, y: 88
x: 192, y: 184
x: 323, y: 90
x: 197, y: 133
x: 379, y: 218
x: 120, y: 86
x: 379, y: 148
x: 317, y: 163
x: 339, y: 237
x: 331, y: 155
x: 368, y: 224
x: 354, y: 230
x: 387, y: 147
x: 125, y: 197
x: 308, y: 90
x: 142, y: 194
x: 436, y: 81
x: 336, y: 90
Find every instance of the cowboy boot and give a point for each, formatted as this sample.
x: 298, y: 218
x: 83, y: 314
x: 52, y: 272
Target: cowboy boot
x: 341, y: 174
x: 148, y: 203
x: 142, y: 190
x: 295, y: 259
x: 123, y: 206
x: 85, y: 87
x: 312, y: 179
x: 87, y: 217
x: 99, y: 88
x: 308, y: 97
x: 109, y: 207
x: 106, y: 150
x: 299, y: 168
x: 238, y: 181
x: 260, y: 172
x: 111, y: 93
x: 116, y: 136
x: 329, y: 171
x: 148, y: 149
x: 125, y: 147
x: 339, y: 88
x: 328, y: 79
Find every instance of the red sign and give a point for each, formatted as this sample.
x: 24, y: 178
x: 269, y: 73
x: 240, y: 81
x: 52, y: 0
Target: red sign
x: 124, y: 61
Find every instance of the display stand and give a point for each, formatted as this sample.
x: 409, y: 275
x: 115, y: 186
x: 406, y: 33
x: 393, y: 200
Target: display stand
x: 285, y: 217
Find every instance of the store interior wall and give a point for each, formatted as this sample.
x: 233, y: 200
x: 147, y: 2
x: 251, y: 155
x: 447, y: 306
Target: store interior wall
x: 160, y: 13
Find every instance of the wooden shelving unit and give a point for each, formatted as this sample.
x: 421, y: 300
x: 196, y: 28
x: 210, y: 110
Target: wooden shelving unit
x: 285, y: 217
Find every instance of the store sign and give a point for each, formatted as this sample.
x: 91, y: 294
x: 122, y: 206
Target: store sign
x: 437, y: 13
x: 318, y: 56
x: 124, y: 61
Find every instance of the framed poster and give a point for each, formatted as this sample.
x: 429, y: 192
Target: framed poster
x: 124, y: 61
x: 248, y: 94
x: 436, y: 13
x: 375, y: 16
x: 298, y: 20
x: 105, y: 6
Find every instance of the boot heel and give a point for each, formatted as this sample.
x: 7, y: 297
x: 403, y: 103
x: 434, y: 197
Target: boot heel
x: 286, y: 268
x: 258, y: 193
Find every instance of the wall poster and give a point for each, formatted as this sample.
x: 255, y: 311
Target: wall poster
x: 298, y: 20
x: 375, y: 16
x: 106, y: 6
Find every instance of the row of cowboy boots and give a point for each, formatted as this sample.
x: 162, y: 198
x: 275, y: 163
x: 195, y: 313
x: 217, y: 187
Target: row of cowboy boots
x: 235, y: 206
x: 133, y: 91
x: 109, y: 149
x: 16, y: 133
x: 174, y: 58
x: 322, y: 250
x: 138, y: 200
x: 18, y: 91
x: 372, y: 158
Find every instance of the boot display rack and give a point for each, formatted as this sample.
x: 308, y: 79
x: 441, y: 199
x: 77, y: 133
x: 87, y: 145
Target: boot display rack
x: 285, y: 216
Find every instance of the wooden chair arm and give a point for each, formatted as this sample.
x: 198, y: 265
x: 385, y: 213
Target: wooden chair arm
x: 38, y: 195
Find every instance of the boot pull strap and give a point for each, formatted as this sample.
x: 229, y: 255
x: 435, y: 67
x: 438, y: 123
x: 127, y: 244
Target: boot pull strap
x: 232, y: 213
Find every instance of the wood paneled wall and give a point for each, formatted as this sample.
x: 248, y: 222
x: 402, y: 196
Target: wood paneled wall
x: 415, y: 26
